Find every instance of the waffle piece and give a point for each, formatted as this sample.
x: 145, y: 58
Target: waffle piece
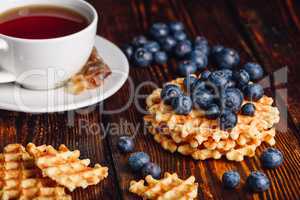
x: 195, y: 135
x: 169, y: 188
x: 20, y: 179
x: 91, y: 76
x: 64, y: 166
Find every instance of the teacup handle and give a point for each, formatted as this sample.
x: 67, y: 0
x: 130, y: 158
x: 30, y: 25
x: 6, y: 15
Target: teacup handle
x: 5, y: 76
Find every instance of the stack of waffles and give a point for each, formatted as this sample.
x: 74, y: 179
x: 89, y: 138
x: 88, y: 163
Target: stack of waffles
x: 201, y: 138
x: 43, y: 173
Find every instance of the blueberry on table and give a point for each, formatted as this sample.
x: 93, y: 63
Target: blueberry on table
x: 139, y: 41
x: 142, y: 57
x: 227, y: 58
x: 151, y: 169
x: 182, y: 105
x: 129, y: 51
x: 183, y: 48
x: 204, y: 75
x: 202, y: 99
x: 227, y: 120
x: 159, y: 30
x: 212, y: 112
x: 126, y: 144
x: 176, y: 26
x: 180, y: 36
x: 219, y: 78
x: 138, y: 160
x: 254, y: 70
x: 152, y: 46
x: 242, y: 77
x: 231, y: 179
x: 215, y: 50
x: 199, y: 58
x: 248, y: 109
x: 271, y: 158
x: 186, y: 68
x: 232, y: 99
x: 160, y: 57
x: 170, y: 91
x: 230, y: 84
x: 199, y: 84
x: 168, y: 43
x: 201, y: 44
x: 253, y: 92
x: 257, y: 182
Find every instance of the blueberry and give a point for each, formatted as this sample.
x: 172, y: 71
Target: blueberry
x: 199, y: 84
x: 230, y: 84
x: 248, y: 109
x: 139, y: 41
x: 168, y: 43
x: 137, y: 160
x: 202, y: 99
x: 201, y: 45
x: 170, y: 91
x: 227, y: 58
x: 182, y: 105
x: 129, y: 51
x: 183, y: 48
x: 125, y: 144
x: 271, y: 158
x: 254, y: 70
x: 212, y: 112
x: 160, y: 57
x: 176, y: 26
x: 258, y: 182
x: 180, y: 36
x: 231, y: 179
x: 205, y: 74
x: 220, y: 77
x: 159, y: 30
x: 199, y: 58
x: 227, y: 120
x: 254, y: 92
x: 142, y: 57
x: 215, y: 50
x: 152, y: 46
x: 232, y: 99
x: 151, y: 169
x: 242, y: 77
x: 187, y: 67
x: 188, y: 82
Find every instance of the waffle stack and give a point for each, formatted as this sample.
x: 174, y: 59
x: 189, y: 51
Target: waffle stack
x: 43, y: 173
x: 201, y: 138
x: 169, y: 188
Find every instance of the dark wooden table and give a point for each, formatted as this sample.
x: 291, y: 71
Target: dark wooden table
x: 264, y: 31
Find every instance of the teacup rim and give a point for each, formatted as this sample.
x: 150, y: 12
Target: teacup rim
x: 91, y: 25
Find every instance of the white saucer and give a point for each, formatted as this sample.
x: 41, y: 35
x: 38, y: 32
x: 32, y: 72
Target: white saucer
x: 15, y: 98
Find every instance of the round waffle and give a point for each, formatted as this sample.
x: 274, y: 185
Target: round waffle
x: 201, y: 138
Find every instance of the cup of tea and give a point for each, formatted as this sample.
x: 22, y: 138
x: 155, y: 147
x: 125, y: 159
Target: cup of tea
x: 43, y: 43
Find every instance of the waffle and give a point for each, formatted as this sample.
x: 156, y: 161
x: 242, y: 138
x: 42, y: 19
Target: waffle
x: 91, y: 76
x: 20, y: 179
x: 169, y: 188
x: 64, y: 166
x: 201, y: 138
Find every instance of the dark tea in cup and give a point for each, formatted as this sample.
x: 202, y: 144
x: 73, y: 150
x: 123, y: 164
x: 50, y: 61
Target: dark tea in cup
x: 41, y: 22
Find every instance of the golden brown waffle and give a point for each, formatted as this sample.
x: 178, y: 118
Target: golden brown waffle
x: 20, y: 179
x: 195, y: 135
x: 64, y: 166
x: 169, y: 188
x: 91, y: 76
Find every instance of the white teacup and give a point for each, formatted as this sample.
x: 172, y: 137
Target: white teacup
x: 47, y: 63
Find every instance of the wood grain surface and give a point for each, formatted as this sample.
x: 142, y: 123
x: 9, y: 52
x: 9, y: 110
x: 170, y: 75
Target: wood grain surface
x: 264, y: 31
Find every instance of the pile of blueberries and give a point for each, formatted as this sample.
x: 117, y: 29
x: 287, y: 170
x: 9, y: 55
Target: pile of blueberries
x: 139, y: 161
x: 257, y: 181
